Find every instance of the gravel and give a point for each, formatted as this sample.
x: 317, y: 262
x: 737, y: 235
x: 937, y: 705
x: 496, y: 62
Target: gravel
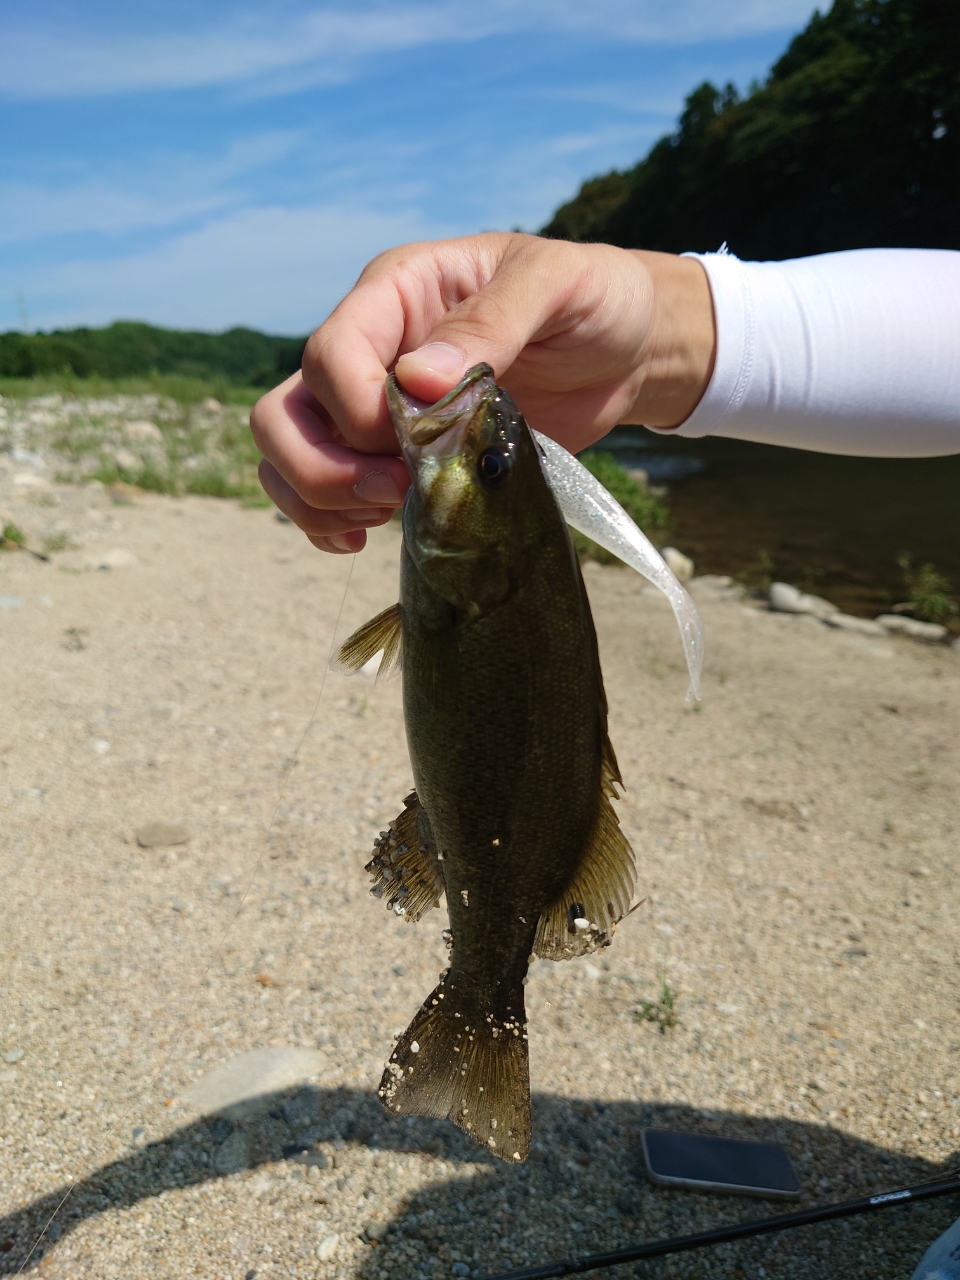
x: 796, y: 837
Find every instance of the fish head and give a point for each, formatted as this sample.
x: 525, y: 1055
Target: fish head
x: 477, y: 484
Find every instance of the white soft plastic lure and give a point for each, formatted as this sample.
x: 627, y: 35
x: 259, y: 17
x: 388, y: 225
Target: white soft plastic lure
x: 588, y: 507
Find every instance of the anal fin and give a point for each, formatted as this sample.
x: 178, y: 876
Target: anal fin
x: 404, y: 868
x: 598, y: 897
x: 385, y: 632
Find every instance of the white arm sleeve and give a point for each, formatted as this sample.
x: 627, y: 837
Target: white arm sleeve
x: 855, y: 352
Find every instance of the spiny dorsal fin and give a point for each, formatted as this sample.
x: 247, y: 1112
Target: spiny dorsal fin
x: 385, y: 632
x: 598, y: 896
x: 405, y: 869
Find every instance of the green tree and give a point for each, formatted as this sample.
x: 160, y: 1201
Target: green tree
x: 853, y: 141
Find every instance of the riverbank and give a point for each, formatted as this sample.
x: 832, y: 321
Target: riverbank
x: 831, y: 525
x: 796, y: 840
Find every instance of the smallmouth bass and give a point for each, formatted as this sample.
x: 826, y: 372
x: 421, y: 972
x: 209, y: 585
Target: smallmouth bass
x: 506, y: 723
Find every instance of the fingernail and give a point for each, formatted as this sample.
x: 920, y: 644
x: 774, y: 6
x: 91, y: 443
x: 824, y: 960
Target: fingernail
x: 439, y: 357
x: 362, y: 515
x: 378, y: 486
x: 340, y: 541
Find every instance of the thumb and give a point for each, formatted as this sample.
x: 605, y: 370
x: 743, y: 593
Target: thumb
x: 492, y: 325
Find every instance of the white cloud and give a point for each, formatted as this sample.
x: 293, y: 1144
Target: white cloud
x: 270, y: 53
x: 277, y: 269
x: 161, y: 190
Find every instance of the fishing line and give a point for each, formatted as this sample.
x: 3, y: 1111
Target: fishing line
x: 740, y: 1231
x: 218, y: 954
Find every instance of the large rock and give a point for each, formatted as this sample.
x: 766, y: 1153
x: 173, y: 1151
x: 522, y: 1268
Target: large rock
x: 786, y: 599
x: 247, y: 1086
x: 681, y: 565
x: 860, y: 626
x: 931, y: 632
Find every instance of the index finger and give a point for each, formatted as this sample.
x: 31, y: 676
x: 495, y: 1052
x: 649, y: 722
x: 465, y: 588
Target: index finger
x: 399, y: 299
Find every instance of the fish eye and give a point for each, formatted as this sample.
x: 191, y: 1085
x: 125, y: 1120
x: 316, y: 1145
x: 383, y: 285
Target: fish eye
x: 493, y: 466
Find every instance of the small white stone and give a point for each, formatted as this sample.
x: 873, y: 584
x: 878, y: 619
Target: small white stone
x: 142, y: 431
x: 126, y: 460
x: 327, y: 1247
x: 582, y: 925
x: 414, y: 1047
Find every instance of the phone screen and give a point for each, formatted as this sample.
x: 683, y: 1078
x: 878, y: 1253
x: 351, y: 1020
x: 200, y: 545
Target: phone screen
x: 704, y: 1163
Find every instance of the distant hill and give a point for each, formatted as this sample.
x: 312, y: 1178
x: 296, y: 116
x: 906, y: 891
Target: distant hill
x: 853, y: 141
x: 130, y: 349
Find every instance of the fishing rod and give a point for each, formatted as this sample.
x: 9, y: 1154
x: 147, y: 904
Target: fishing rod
x: 737, y: 1231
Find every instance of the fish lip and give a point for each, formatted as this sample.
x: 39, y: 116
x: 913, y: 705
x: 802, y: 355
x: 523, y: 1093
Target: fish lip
x: 419, y: 424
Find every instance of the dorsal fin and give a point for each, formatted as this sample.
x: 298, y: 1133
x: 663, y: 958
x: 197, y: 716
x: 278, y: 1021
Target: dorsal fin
x: 385, y: 632
x: 405, y: 870
x: 584, y: 917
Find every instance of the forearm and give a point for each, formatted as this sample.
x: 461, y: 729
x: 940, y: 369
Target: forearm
x: 855, y: 353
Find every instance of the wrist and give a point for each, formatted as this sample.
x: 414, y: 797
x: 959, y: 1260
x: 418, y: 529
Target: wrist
x: 679, y: 351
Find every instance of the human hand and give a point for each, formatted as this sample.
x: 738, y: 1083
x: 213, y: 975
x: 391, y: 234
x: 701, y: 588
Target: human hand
x: 583, y: 337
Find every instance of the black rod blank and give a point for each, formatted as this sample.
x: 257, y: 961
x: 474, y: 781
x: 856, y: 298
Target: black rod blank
x: 736, y: 1231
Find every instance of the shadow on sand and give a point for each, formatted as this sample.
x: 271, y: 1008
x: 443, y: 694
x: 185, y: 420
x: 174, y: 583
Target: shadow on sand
x: 582, y: 1190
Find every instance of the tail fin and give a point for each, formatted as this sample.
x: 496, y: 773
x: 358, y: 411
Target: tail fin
x: 458, y: 1060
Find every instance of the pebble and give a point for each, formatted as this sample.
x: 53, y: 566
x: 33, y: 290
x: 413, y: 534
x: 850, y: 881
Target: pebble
x: 460, y: 1269
x: 10, y: 602
x: 931, y: 632
x: 159, y: 835
x: 244, y: 1086
x: 681, y: 566
x: 327, y: 1247
x: 13, y: 1055
x: 26, y: 458
x: 282, y: 517
x: 126, y: 460
x: 142, y: 431
x: 116, y: 558
x: 232, y: 1155
x: 100, y: 745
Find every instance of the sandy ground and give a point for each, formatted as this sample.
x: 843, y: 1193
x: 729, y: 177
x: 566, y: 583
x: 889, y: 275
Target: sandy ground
x: 796, y: 837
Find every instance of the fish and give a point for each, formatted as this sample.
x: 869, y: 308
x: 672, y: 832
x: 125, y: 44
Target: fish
x: 511, y: 819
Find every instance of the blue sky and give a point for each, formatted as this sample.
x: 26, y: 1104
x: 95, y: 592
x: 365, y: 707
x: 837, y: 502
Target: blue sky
x: 227, y: 163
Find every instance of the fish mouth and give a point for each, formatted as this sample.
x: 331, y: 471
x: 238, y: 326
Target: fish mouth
x: 438, y: 430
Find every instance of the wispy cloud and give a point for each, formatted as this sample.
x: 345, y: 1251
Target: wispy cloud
x: 273, y: 268
x: 271, y: 53
x: 163, y: 190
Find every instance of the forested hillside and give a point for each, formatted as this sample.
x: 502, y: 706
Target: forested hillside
x: 128, y: 348
x: 853, y: 141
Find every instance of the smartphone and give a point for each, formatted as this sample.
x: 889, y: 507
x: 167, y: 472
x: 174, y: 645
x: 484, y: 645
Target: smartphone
x: 703, y: 1163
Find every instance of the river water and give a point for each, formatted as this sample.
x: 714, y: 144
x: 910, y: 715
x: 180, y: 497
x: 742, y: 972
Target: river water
x: 829, y: 524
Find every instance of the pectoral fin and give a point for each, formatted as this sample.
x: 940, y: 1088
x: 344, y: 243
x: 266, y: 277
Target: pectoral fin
x: 598, y: 896
x: 405, y: 870
x: 385, y: 632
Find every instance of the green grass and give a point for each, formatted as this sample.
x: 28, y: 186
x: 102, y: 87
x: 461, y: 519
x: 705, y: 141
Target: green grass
x: 179, y: 387
x: 759, y: 575
x: 643, y: 507
x: 11, y: 538
x: 662, y: 1011
x: 193, y: 449
x: 929, y: 592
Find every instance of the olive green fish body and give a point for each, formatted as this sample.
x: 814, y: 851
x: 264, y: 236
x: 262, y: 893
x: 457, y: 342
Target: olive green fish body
x: 506, y: 725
